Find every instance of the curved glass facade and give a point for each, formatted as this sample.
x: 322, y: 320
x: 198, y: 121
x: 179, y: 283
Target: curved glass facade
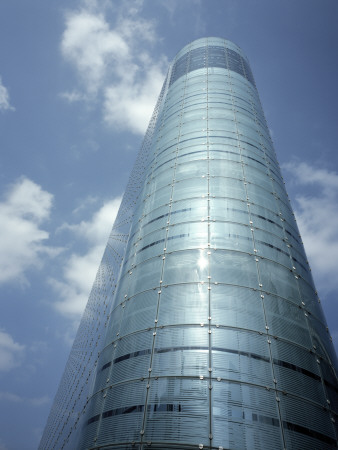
x: 215, y: 338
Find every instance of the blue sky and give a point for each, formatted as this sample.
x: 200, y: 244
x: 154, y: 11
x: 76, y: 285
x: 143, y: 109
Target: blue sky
x: 78, y: 83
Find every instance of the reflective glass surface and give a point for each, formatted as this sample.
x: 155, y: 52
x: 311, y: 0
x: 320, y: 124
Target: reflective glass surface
x: 212, y: 333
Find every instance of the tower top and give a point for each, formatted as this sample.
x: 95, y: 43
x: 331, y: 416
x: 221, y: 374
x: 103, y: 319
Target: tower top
x: 212, y: 42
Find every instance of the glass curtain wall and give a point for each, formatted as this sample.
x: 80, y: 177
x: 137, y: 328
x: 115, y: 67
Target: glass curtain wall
x: 216, y: 338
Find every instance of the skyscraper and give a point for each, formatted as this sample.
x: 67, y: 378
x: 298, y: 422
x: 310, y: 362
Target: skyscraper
x: 203, y: 328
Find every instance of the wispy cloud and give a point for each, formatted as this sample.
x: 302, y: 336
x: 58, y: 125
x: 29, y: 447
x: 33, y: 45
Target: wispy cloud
x: 115, y: 62
x: 2, y: 445
x: 15, y: 398
x: 24, y: 208
x: 196, y: 20
x: 4, y: 98
x: 85, y: 203
x: 73, y: 96
x: 80, y: 269
x: 317, y: 216
x: 307, y: 175
x: 11, y: 352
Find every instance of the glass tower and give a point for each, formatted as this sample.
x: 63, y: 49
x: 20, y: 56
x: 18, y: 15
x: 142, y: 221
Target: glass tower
x: 204, y: 328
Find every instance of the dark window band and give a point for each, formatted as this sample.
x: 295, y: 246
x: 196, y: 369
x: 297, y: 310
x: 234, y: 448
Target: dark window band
x: 266, y: 420
x: 212, y: 101
x: 105, y: 366
x: 204, y: 137
x: 331, y: 386
x: 171, y: 213
x: 170, y: 238
x: 217, y: 349
x: 177, y: 407
x: 312, y: 433
x: 176, y: 157
x: 240, y: 211
x: 228, y: 235
x: 212, y: 136
x: 296, y: 369
x: 161, y: 407
x: 272, y: 246
x: 94, y: 419
x: 212, y: 56
x: 161, y: 217
x: 228, y: 209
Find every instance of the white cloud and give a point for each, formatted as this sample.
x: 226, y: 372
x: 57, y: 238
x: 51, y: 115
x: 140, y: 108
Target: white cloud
x: 4, y: 98
x: 96, y: 230
x: 78, y: 277
x: 308, y: 175
x: 92, y: 46
x: 115, y: 62
x: 25, y: 206
x: 80, y: 269
x: 11, y: 352
x: 317, y: 218
x: 128, y: 105
x: 14, y: 398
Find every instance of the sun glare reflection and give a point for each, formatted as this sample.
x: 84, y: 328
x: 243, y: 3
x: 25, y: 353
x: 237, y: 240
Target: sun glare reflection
x: 202, y: 262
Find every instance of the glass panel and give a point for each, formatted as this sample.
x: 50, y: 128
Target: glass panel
x: 173, y: 417
x: 188, y: 235
x: 188, y: 170
x: 232, y: 189
x: 279, y: 280
x: 193, y: 187
x: 241, y: 356
x: 139, y: 312
x: 181, y: 351
x: 229, y: 210
x: 186, y: 267
x: 231, y: 236
x: 184, y: 304
x: 313, y: 429
x: 233, y: 306
x: 145, y: 276
x: 226, y: 169
x: 122, y: 417
x: 244, y: 417
x: 287, y: 320
x: 233, y: 268
x: 189, y: 210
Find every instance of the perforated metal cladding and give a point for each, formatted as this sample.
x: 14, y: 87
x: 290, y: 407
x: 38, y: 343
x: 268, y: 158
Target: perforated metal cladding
x: 215, y: 338
x: 65, y: 419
